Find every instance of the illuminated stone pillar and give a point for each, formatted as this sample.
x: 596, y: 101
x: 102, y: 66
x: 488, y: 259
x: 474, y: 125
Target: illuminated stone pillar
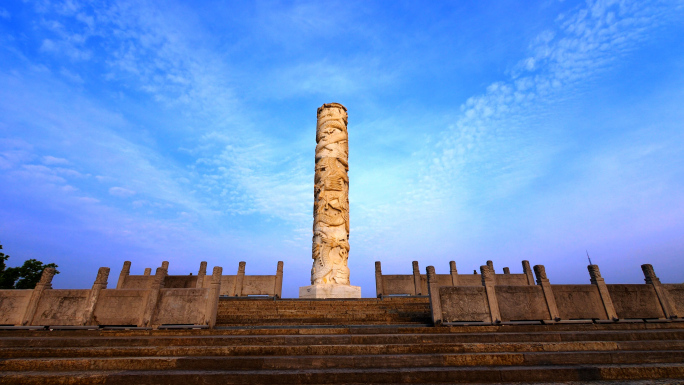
x: 330, y: 246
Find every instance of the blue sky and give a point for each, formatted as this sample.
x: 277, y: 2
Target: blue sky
x: 132, y: 130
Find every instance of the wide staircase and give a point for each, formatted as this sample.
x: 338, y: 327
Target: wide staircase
x: 381, y: 347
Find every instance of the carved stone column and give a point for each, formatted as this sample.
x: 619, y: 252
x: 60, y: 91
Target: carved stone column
x: 45, y: 283
x: 543, y: 281
x: 99, y: 285
x: 378, y: 280
x: 201, y: 274
x: 435, y: 299
x: 489, y: 281
x: 125, y: 271
x: 454, y: 273
x: 417, y: 285
x: 663, y: 297
x: 596, y: 279
x: 528, y: 272
x: 330, y: 246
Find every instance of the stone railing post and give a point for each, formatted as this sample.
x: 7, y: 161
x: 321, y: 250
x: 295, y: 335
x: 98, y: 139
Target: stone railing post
x: 278, y: 289
x: 542, y: 281
x: 148, y: 271
x: 597, y: 280
x: 100, y: 283
x: 165, y: 266
x: 45, y: 283
x: 454, y: 273
x: 213, y: 300
x: 435, y: 300
x: 418, y: 288
x: 201, y: 274
x: 125, y: 271
x: 378, y: 280
x: 663, y: 296
x: 506, y: 270
x: 490, y: 265
x: 153, y: 296
x: 488, y: 282
x: 528, y: 272
x: 240, y: 279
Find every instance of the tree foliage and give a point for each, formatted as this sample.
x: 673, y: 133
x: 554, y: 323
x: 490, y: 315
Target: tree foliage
x: 23, y: 277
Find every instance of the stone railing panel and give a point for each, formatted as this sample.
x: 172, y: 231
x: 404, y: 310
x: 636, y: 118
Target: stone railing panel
x: 258, y: 285
x: 579, y: 302
x: 464, y: 304
x: 521, y: 303
x: 676, y: 294
x: 398, y: 284
x: 181, y: 306
x: 13, y: 304
x: 508, y: 279
x: 136, y: 282
x: 228, y: 283
x: 469, y: 280
x: 180, y: 281
x: 120, y: 307
x: 61, y: 308
x: 635, y: 301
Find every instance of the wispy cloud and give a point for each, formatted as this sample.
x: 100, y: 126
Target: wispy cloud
x: 121, y: 192
x: 497, y: 145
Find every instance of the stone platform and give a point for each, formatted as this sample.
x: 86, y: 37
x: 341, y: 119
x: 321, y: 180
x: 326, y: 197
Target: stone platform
x: 330, y: 291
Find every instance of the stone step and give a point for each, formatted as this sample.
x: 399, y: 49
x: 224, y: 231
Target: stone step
x: 478, y: 374
x: 303, y: 350
x: 341, y: 362
x: 46, y: 340
x: 263, y: 330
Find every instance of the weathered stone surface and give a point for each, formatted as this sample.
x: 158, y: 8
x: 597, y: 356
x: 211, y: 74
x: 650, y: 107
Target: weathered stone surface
x: 330, y: 291
x: 464, y: 303
x: 61, y: 307
x: 517, y: 303
x: 13, y: 304
x: 635, y: 301
x: 182, y: 306
x: 676, y: 293
x: 579, y: 302
x: 120, y: 307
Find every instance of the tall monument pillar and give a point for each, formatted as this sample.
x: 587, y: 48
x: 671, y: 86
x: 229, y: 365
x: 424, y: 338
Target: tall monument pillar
x: 330, y: 247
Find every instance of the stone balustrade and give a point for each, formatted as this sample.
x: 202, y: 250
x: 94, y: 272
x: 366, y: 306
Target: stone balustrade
x: 141, y: 301
x: 493, y: 303
x: 417, y: 284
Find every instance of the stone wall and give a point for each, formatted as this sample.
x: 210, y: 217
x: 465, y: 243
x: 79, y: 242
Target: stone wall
x: 149, y: 304
x: 417, y: 284
x: 491, y: 302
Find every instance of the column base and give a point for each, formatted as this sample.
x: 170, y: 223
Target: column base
x: 330, y: 291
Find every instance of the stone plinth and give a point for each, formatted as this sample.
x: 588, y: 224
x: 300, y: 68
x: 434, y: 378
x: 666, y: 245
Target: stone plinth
x: 330, y: 291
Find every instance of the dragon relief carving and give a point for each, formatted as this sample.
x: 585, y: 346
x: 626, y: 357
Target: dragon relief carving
x: 330, y: 243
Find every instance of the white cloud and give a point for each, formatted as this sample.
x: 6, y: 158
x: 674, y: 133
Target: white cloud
x: 51, y: 160
x: 121, y: 192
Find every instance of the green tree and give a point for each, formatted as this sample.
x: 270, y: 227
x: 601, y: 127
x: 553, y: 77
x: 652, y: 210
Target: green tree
x: 23, y: 277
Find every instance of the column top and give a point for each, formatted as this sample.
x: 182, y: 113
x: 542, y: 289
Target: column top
x: 329, y: 105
